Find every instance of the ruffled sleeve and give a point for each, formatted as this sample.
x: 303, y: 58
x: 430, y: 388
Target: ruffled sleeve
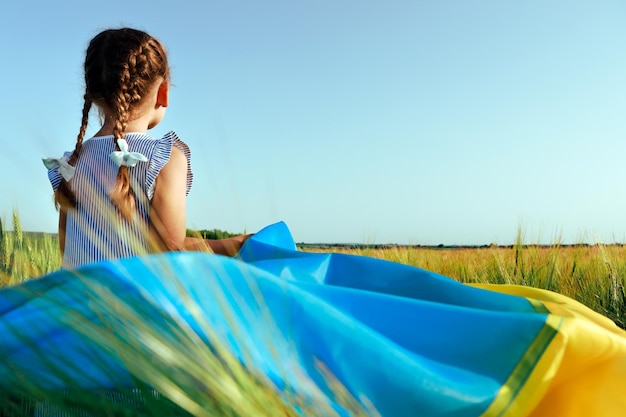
x: 54, y: 176
x: 161, y: 156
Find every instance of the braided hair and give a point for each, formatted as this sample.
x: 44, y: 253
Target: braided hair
x: 121, y: 65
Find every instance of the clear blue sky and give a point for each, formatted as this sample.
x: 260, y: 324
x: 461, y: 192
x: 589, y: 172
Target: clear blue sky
x: 403, y: 121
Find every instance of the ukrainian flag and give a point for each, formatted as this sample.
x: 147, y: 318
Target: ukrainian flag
x: 400, y: 340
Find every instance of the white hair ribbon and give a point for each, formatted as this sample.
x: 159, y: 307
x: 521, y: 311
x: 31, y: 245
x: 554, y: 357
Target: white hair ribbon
x: 65, y: 169
x: 123, y: 157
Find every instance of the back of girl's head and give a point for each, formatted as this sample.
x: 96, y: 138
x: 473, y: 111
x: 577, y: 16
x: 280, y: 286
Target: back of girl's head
x: 121, y: 66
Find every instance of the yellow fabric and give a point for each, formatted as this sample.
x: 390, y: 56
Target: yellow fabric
x: 582, y: 373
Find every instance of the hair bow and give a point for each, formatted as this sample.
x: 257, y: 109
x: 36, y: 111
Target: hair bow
x: 123, y: 157
x: 65, y: 169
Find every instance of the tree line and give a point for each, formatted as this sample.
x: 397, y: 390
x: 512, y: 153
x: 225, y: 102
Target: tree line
x: 211, y: 234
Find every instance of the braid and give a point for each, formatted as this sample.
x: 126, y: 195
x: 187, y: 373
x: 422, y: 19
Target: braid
x: 64, y: 197
x: 82, y: 131
x: 130, y: 92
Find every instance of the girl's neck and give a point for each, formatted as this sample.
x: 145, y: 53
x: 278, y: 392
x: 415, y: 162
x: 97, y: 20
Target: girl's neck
x: 147, y: 115
x: 132, y: 126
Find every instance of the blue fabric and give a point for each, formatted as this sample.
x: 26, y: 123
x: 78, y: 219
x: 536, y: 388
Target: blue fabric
x: 409, y: 341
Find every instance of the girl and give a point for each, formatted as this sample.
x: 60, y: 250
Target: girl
x: 122, y: 192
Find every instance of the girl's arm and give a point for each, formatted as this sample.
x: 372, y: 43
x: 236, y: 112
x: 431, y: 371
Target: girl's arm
x: 62, y: 222
x: 228, y: 247
x: 167, y: 213
x: 168, y: 206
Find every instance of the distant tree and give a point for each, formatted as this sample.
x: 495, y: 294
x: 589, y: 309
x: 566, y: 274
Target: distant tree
x: 211, y: 234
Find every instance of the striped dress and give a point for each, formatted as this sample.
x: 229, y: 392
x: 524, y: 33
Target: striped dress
x: 94, y: 230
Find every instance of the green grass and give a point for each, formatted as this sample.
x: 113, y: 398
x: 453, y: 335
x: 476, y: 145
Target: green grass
x: 26, y: 255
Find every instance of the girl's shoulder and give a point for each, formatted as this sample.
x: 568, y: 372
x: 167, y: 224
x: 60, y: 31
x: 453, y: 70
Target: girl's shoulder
x: 171, y: 138
x: 160, y: 156
x: 160, y: 148
x: 168, y: 140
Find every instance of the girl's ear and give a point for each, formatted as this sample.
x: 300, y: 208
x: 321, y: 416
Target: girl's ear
x: 163, y: 94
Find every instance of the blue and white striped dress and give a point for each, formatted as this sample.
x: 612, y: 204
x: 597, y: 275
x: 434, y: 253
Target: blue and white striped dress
x: 94, y: 230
